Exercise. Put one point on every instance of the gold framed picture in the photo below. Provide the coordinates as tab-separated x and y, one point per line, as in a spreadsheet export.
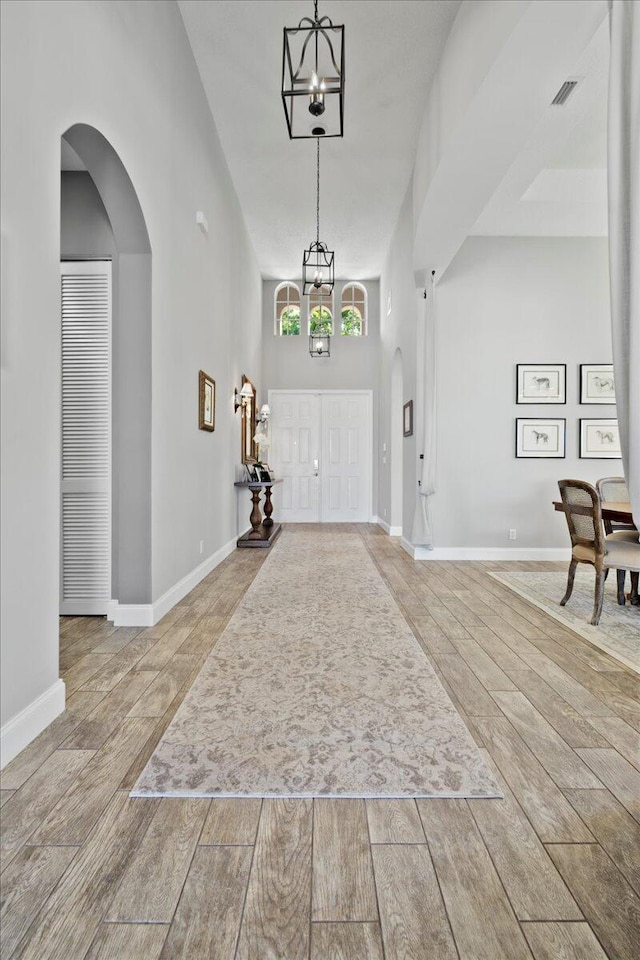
207	402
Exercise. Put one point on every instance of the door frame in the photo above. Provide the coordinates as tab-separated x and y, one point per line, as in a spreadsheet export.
321	393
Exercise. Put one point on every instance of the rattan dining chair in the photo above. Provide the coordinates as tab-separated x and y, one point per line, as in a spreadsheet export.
589	544
614	489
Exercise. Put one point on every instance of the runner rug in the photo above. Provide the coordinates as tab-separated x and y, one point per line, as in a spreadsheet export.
317	688
618	632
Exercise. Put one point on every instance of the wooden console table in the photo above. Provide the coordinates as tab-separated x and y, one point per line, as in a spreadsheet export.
263	532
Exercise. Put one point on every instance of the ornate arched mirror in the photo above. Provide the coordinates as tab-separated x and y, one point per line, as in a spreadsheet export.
249	421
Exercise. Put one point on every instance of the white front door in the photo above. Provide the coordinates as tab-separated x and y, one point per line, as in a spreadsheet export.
85	561
345	458
294	455
321	449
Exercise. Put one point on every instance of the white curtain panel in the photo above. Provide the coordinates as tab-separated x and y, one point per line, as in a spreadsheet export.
422	531
624	231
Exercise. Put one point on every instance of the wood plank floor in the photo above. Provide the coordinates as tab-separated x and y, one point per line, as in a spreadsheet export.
552	872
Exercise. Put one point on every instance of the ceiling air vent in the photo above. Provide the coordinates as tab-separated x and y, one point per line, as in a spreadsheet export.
564	93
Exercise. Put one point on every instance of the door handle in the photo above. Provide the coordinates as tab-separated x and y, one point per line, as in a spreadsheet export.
315	466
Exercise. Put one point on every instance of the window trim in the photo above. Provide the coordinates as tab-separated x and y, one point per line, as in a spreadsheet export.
352	303
277	318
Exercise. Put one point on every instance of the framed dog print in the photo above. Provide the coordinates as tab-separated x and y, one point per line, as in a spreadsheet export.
540	439
541	383
207	402
599	440
597	383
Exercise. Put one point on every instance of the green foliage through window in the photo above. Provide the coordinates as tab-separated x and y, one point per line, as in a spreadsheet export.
320	321
290	321
351	322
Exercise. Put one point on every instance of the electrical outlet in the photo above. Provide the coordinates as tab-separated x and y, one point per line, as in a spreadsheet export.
201	547
512	534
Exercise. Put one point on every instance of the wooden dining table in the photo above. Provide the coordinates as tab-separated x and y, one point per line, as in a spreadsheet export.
611	510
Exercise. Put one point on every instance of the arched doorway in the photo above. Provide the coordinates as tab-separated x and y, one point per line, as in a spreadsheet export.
101	218
397	399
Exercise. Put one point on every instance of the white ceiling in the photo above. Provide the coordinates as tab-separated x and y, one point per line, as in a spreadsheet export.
557	186
392	50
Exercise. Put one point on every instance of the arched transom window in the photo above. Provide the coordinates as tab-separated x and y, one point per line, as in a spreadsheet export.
287	310
321	311
353	310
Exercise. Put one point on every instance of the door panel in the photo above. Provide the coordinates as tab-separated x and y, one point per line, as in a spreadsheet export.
295	432
85	562
346	458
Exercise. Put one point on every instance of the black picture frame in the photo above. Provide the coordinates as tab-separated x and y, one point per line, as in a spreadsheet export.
535	383
533	438
597	384
599	438
407	419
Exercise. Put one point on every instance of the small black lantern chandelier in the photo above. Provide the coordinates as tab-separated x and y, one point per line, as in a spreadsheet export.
313	78
318	260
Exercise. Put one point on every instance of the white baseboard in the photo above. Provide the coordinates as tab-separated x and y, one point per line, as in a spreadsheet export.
408	547
148	614
392	531
487	553
26	725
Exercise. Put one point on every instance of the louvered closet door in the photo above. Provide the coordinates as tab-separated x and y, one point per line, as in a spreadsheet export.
86	438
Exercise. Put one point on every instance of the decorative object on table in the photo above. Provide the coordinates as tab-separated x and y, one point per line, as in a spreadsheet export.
597	383
540	438
261	436
206	402
407	419
541	383
599	440
318	263
313	78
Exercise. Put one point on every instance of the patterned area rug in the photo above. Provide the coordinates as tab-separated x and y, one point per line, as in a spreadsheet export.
317	688
618	632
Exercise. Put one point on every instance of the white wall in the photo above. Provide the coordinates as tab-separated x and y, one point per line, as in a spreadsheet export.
127	69
398	331
505	301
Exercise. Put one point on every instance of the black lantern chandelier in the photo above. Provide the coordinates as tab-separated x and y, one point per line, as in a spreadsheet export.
318	260
313	78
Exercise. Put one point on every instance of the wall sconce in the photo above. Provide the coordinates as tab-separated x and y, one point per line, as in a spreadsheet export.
242	398
265	413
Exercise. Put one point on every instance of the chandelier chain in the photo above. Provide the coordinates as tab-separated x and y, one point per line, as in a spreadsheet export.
318	189
315	10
